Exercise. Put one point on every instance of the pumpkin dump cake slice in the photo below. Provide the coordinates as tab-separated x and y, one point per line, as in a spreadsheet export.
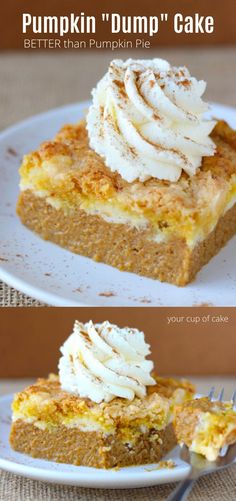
145	169
205	426
105	409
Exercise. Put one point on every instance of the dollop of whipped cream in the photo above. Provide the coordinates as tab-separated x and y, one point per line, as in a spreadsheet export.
147	120
103	361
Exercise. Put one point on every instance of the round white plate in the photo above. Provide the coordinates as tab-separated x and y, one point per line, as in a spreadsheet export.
135	476
58	277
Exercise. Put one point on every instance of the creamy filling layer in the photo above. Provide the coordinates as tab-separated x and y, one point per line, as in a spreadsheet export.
117	215
127	434
76	422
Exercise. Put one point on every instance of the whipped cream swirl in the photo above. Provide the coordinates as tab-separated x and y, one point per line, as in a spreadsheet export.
102	361
147	120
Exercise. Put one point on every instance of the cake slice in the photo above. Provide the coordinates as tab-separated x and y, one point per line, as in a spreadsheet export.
160	229
205	426
52	424
105	408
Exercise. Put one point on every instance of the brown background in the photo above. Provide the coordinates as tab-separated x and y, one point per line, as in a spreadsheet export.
30	338
223	12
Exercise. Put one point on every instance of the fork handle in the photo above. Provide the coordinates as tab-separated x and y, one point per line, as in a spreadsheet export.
182	490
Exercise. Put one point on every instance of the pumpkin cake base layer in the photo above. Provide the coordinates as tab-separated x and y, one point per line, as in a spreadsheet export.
53	424
122	246
69	445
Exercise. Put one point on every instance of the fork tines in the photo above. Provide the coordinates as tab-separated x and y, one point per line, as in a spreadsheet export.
233	399
221	395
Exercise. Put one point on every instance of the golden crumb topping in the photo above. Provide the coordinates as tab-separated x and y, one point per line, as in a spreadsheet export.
46	403
69	174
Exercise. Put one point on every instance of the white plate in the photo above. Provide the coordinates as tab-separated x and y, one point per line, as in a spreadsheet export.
137	476
58	277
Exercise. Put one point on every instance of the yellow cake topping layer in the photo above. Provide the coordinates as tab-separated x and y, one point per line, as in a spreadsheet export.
46	405
69	174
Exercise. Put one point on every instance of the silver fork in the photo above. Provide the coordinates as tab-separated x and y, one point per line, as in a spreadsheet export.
200	465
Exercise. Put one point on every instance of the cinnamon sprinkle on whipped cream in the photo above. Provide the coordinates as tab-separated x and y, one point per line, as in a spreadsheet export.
103	361
147	119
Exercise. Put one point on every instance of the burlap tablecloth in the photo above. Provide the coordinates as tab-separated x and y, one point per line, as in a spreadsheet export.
31	82
215	487
12	297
